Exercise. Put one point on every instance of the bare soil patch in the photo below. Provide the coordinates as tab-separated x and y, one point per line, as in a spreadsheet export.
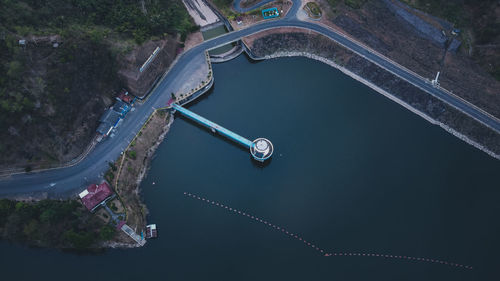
192	40
138	83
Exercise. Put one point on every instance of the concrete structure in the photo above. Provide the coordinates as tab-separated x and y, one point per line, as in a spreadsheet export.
435	82
261	148
150	59
131	233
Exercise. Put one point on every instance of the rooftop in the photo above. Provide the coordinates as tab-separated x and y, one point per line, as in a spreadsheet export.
95	194
124	96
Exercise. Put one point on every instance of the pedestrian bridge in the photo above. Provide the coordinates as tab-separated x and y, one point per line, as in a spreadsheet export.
261	149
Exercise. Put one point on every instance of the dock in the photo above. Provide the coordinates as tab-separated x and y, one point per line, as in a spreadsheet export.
261	148
151	231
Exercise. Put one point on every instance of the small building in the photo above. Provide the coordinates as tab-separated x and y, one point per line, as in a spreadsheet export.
22	42
95	194
126	97
151	231
108	121
122	108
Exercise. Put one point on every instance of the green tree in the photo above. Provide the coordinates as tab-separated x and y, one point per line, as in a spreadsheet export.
6	208
107	233
15	69
82	240
132	154
31	230
25	210
48	215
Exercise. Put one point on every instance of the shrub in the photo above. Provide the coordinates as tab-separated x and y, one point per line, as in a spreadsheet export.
132	154
107	233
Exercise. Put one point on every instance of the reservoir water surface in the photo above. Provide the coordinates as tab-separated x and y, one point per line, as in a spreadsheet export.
352	172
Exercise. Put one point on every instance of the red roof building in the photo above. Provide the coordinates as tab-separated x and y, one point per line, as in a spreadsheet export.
95	194
125	97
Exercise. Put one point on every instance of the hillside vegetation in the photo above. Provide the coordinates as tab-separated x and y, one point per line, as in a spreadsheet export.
54	88
52	223
479	21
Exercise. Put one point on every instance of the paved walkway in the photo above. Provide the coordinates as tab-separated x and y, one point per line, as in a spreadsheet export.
131	233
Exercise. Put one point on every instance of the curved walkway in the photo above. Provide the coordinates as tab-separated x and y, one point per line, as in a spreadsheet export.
67	181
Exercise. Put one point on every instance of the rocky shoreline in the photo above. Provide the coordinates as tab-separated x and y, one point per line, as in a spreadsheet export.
127	183
289	42
387	95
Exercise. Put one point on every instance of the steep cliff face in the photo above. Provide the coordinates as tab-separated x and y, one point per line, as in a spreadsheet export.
137	82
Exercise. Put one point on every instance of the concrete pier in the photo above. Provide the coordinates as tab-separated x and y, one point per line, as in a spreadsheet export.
261	148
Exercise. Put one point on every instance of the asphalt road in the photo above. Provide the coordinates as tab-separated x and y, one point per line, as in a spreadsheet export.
64	182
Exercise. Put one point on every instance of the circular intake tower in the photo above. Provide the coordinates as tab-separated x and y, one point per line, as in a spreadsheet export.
261	149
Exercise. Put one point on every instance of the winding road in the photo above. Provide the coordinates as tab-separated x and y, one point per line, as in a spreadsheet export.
65	182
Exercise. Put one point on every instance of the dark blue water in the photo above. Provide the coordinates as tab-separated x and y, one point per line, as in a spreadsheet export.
352	172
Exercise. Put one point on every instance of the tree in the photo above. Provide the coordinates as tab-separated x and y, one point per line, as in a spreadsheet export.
6	208
25	210
15	69
132	154
107	233
82	240
31	230
47	215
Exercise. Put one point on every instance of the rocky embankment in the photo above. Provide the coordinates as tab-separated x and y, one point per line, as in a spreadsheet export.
132	168
298	42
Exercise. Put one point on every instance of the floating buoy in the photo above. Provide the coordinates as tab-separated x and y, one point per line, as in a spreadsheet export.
322	251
